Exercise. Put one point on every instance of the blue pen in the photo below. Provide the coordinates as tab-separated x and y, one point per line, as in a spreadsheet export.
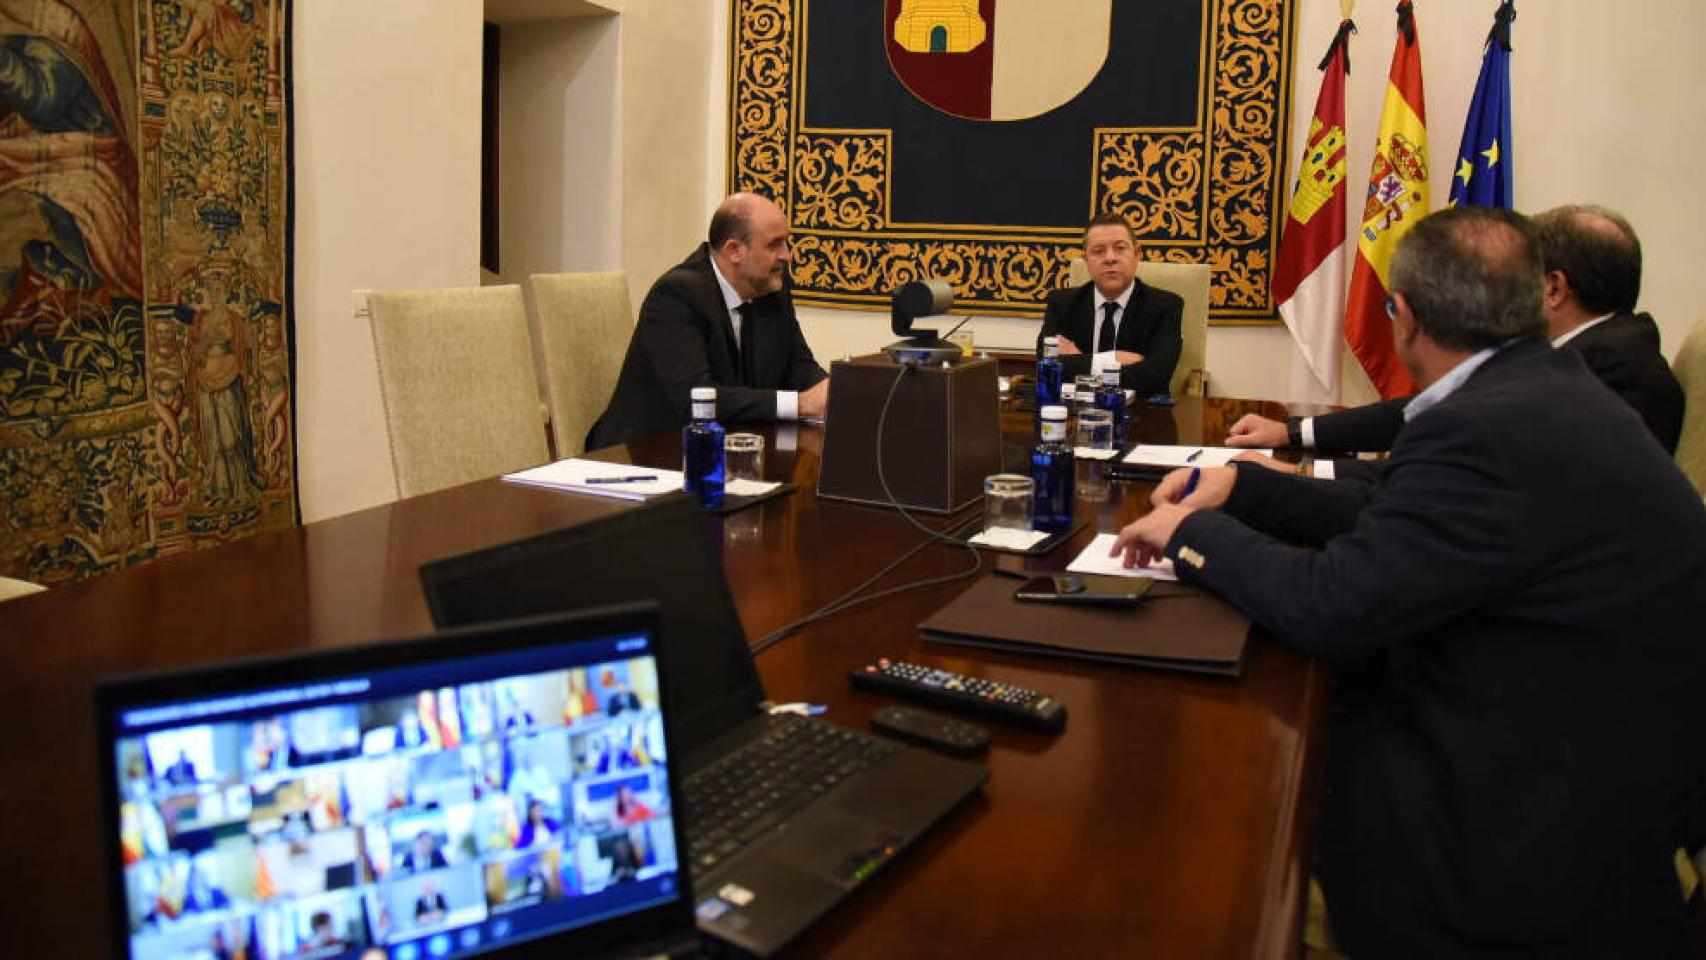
1194	455
636	478
1191	484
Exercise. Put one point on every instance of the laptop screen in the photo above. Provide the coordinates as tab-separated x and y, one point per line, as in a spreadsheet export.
444	798
665	551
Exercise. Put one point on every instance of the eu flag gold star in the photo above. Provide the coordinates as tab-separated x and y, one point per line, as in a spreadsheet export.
1492	155
1465	170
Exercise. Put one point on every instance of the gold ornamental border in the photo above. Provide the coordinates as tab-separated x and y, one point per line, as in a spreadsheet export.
1209	192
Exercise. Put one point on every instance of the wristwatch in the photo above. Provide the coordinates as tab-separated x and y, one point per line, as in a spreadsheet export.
1294	431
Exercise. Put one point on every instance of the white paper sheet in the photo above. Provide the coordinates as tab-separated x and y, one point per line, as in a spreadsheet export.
573	474
1164	455
1095	560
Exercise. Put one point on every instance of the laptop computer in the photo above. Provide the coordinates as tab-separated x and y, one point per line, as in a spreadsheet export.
452	796
836	803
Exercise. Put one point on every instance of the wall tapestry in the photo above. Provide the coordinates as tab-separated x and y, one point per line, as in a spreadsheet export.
972	139
145	340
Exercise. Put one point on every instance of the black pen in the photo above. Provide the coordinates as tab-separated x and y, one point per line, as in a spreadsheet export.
636	478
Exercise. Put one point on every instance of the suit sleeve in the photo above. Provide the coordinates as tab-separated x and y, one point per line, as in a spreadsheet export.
1371	428
1443	535
804	372
1645	383
1160	347
674	336
1057	322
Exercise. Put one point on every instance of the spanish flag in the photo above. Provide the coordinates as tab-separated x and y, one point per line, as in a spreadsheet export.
1397	198
1309	273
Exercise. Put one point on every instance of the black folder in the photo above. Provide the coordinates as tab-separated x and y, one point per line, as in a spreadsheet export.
1176	627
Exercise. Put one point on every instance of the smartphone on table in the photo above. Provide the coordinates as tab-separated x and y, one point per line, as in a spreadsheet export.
1073	588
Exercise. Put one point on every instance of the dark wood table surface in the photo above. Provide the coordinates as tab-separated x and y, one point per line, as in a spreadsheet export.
1173	818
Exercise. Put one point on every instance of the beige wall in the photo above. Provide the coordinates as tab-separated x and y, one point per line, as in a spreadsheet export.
388	113
387	197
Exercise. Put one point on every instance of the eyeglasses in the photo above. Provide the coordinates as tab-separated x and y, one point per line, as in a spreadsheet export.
1391	309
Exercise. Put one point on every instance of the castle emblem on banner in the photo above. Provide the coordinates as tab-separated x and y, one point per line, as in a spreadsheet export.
1400	176
979	59
1323	171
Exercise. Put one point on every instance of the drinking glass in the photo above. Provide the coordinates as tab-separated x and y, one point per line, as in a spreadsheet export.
1095	429
743	456
1007	502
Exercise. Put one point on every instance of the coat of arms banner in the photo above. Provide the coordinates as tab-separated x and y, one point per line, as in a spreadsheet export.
145	340
972	139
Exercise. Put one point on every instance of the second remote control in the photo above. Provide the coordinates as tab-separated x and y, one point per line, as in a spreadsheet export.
988	697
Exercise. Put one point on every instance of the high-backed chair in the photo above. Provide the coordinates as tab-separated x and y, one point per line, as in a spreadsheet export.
581	324
1690	368
1190	281
10	588
456	377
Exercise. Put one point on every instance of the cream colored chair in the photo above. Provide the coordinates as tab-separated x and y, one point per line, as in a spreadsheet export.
581	325
1690	368
11	589
1190	281
456	377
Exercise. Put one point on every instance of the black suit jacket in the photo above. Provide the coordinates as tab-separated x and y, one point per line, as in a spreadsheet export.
1516	611
684	339
1623	352
1150	326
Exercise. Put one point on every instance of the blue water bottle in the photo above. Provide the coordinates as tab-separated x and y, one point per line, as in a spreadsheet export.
1052	474
1049	375
1110	396
702	451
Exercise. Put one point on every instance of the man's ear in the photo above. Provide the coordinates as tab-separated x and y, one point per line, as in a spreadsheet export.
1404	325
1556	289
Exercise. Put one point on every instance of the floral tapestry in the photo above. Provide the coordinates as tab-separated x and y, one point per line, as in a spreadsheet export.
972	140
145	340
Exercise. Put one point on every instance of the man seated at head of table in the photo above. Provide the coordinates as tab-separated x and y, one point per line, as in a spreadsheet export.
1115	320
721	318
1514	611
1592	260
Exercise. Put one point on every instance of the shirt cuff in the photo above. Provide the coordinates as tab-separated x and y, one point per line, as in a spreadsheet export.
787	405
1323	470
1103	361
1306	429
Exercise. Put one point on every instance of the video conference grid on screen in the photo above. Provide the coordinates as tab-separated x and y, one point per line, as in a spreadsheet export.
432	823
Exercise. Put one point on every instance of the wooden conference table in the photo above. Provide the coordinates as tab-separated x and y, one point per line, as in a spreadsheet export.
1173	818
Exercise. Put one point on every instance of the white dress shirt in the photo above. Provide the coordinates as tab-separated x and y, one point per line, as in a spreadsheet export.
787	401
1101	358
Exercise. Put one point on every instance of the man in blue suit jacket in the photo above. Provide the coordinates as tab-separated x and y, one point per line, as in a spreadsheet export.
1593	280
1114	320
1515	611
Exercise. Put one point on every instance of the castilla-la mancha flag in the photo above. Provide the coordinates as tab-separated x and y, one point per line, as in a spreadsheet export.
1309	273
1397	198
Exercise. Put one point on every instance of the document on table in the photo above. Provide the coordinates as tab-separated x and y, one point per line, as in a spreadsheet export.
1166	456
1095	560
620	480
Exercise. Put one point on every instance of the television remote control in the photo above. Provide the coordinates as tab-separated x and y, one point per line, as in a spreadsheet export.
1015	704
931	730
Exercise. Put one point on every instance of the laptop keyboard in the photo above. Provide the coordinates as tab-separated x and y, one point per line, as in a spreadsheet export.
758	786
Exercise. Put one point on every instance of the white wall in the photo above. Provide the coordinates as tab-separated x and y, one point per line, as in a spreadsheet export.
387	197
559	147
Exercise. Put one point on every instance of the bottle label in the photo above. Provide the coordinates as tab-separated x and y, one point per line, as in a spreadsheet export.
1054	431
704	409
1111	377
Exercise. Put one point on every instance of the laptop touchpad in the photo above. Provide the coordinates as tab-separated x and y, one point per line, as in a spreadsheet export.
836	845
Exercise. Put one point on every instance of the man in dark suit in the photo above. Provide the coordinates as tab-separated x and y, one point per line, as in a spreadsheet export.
1593	280
1114	320
1514	608
722	318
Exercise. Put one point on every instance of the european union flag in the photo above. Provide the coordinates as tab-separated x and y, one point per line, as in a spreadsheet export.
1483	174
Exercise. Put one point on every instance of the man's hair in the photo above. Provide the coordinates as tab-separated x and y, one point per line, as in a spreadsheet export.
1472	277
1597	251
732	219
1108	218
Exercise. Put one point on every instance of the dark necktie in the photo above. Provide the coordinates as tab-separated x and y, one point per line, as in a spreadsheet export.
1105	339
741	353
